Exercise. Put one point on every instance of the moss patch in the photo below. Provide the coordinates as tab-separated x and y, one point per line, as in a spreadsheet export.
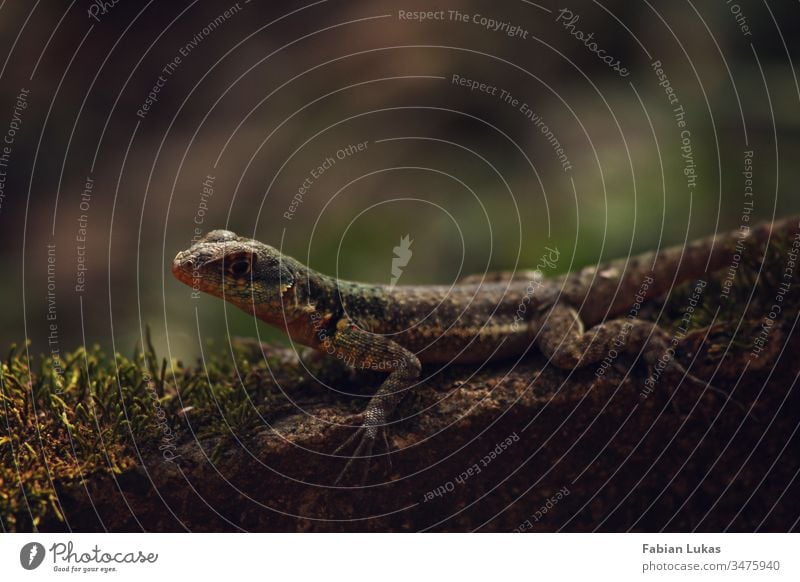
93	413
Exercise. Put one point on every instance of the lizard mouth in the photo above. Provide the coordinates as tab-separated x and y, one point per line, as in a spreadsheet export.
188	267
187	271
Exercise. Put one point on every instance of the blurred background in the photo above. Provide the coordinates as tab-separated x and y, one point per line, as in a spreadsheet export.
484	133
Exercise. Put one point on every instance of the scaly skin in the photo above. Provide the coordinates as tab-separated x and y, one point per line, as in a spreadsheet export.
397	329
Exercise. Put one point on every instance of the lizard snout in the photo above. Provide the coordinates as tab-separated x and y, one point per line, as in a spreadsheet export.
182	265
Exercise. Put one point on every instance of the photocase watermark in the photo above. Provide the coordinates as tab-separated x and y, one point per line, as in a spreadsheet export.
679	114
7	145
526	110
318	171
320	325
66	559
543	128
568	19
98	8
491	24
53	343
739	17
508	28
475	469
169	440
669	354
768	322
744	226
402	255
621	339
543	510
81	235
549	260
687	152
206	193
172	66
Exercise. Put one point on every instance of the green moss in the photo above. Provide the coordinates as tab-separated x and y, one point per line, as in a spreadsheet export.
756	286
100	412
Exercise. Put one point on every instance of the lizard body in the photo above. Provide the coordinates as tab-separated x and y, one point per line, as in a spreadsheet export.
396	329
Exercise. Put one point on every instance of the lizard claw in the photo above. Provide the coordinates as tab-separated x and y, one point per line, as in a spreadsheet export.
368	435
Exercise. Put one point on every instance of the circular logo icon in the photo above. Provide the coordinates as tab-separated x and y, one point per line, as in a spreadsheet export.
31	555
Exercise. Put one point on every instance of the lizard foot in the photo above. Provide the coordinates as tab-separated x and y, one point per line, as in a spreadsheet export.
366	436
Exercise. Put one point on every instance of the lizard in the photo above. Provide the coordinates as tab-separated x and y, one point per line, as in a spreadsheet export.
572	319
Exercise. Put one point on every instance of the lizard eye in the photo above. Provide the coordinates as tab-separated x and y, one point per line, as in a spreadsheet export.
239	266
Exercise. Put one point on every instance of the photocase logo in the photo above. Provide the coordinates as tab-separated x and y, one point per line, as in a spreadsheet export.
402	254
31	555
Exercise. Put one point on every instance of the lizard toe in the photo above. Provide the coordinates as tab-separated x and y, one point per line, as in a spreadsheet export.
366	436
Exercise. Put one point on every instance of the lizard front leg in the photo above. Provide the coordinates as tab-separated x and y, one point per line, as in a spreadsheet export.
364	350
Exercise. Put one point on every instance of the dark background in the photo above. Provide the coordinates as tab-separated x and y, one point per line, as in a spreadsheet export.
278	87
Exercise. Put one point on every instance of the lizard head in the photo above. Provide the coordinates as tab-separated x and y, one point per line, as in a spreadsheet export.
243	271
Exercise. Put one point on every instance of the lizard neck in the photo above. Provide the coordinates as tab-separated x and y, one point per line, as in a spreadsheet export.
309	310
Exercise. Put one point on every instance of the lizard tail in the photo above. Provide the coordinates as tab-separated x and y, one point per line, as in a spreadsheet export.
612	288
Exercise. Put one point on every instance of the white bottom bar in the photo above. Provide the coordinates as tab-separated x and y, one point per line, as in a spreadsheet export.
397	557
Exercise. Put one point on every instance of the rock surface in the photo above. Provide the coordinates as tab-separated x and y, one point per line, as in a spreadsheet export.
510	447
